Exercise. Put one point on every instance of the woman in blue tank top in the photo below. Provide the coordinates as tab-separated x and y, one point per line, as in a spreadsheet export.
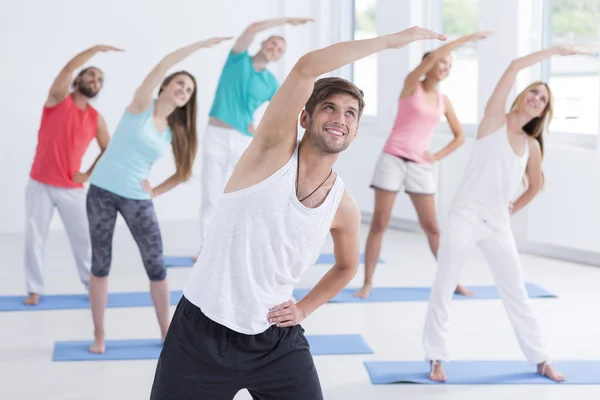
119	183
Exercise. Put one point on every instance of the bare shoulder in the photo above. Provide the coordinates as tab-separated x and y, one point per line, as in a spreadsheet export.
347	216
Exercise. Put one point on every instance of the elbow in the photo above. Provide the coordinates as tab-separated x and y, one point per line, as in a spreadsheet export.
303	65
534	189
253	29
459	140
514	65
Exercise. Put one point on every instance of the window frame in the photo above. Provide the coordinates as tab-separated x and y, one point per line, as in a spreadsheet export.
349	14
561	138
434	9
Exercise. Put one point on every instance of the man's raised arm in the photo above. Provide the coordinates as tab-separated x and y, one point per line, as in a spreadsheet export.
278	125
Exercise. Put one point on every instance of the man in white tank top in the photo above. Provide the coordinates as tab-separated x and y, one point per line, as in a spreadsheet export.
236	327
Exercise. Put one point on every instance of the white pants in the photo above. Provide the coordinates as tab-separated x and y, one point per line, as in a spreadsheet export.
222	148
40	201
465	228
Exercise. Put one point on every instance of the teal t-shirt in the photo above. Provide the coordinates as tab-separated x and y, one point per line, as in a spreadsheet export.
241	91
133	149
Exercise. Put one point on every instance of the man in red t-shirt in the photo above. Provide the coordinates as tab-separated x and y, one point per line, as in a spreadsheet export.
68	125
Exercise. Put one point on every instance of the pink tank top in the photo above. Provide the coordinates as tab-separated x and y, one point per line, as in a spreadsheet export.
64	135
415	121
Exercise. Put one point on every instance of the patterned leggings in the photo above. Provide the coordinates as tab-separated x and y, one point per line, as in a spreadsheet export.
102	208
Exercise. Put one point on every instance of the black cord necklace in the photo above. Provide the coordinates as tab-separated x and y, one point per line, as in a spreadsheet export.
298	174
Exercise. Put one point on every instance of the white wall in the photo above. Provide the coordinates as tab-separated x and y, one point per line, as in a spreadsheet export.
562	221
39	37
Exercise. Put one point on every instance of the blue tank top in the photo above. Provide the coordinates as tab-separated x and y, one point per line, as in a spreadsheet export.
133	149
241	91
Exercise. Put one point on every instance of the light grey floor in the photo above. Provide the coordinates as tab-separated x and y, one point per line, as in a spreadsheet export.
480	329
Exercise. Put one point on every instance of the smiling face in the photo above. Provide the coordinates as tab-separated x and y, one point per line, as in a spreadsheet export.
177	89
534	100
441	69
89	82
273	48
333	125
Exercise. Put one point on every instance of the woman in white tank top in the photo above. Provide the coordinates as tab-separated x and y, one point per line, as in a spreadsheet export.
509	147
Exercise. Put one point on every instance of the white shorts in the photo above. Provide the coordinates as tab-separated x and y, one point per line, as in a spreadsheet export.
392	172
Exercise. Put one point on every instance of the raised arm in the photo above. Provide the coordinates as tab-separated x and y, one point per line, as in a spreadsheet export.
413	78
143	95
247	37
60	87
495	108
279	123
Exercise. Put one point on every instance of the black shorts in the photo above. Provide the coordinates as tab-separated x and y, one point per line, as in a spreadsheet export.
202	359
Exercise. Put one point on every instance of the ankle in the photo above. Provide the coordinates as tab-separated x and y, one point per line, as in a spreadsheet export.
99	335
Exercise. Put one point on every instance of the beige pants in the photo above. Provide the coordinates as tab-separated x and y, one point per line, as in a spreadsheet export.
221	150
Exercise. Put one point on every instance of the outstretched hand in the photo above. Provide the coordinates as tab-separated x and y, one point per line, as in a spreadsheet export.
104	48
216	40
413	34
286	314
299	21
569	51
477	36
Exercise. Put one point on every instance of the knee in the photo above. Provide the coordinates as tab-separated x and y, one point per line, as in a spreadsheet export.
100	271
379	224
156	273
431	228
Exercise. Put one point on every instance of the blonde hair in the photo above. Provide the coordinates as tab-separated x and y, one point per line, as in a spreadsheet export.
536	127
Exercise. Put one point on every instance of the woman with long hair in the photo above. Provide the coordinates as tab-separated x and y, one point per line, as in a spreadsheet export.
406	161
119	183
509	147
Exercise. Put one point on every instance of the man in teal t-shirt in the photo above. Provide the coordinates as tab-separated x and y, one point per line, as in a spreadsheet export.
245	84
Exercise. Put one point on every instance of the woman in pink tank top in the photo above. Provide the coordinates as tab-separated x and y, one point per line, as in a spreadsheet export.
406	161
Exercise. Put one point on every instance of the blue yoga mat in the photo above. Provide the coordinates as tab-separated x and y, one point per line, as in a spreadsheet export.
421	294
149	349
581	372
180	261
78	301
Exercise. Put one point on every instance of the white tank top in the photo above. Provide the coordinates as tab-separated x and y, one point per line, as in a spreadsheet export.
492	178
260	241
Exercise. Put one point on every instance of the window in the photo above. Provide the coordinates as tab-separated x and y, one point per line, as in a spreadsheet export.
365	70
459	18
574	80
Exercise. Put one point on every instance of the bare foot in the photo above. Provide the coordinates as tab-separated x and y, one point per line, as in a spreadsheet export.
98	347
32	299
462	291
437	373
547	370
364	292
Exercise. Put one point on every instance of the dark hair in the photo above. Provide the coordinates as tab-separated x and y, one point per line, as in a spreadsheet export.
182	122
425	55
325	87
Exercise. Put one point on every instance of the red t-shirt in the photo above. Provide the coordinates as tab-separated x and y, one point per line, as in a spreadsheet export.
64	136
